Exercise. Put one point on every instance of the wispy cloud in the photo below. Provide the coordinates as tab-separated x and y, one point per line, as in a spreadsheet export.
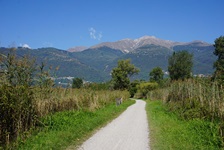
94	34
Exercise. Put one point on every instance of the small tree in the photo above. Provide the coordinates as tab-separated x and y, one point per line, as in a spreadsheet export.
180	65
156	74
77	83
219	64
122	73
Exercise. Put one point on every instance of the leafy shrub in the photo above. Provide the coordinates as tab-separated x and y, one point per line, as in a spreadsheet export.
145	87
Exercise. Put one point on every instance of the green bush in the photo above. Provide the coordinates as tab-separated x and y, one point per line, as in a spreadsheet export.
144	88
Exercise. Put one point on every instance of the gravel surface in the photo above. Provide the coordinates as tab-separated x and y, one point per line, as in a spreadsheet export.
127	132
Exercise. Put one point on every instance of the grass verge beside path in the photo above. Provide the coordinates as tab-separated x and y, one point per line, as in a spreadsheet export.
72	127
167	131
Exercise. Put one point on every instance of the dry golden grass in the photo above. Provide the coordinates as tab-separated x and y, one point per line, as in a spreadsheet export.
60	99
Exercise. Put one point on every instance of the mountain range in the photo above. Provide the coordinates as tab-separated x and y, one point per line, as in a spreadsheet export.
96	62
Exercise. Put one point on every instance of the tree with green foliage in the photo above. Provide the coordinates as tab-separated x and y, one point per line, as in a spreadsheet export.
77	83
180	65
133	87
219	64
156	74
122	73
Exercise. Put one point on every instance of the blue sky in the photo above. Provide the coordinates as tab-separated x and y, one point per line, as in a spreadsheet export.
69	23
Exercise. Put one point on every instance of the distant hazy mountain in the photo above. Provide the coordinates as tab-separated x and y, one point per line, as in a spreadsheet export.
95	63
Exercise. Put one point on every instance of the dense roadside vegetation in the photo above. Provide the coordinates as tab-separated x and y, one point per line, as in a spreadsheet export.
190	114
27	95
192	99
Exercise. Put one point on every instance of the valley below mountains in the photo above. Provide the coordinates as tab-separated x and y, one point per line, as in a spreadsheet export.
95	63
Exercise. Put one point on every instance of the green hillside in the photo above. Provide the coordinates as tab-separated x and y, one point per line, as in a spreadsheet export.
98	58
146	58
68	65
95	64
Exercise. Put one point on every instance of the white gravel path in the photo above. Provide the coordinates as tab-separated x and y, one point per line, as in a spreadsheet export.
127	132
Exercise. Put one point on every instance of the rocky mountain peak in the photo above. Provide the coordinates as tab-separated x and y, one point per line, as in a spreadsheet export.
128	45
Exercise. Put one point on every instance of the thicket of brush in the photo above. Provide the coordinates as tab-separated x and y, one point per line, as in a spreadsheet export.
195	98
27	94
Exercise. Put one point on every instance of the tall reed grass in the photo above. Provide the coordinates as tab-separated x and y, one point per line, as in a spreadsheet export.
194	98
203	95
